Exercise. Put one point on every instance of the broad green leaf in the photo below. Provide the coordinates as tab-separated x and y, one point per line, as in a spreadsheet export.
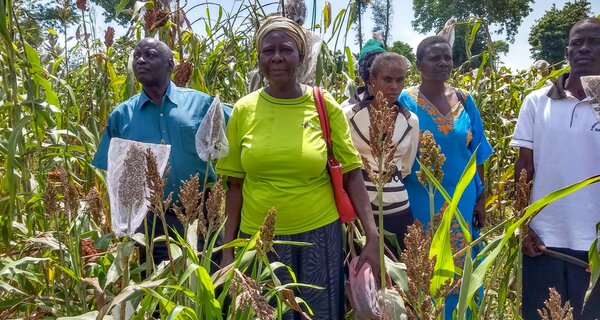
480	271
441	246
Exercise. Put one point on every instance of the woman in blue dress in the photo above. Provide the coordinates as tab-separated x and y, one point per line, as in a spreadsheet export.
451	115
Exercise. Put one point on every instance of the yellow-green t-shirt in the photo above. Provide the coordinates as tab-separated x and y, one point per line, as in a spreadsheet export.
277	147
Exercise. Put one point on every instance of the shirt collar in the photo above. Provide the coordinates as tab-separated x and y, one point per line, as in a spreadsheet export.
171	94
558	88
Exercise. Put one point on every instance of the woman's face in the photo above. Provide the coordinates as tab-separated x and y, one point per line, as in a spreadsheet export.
436	64
279	57
389	80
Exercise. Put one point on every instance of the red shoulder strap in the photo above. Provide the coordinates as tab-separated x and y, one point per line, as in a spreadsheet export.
322	109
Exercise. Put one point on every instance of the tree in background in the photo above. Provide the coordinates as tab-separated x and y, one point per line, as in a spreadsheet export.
404	49
110	11
360	7
430	15
382	14
549	35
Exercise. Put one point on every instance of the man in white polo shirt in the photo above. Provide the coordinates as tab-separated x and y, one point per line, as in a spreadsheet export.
558	146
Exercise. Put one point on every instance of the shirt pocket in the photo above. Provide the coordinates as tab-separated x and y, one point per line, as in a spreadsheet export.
188	138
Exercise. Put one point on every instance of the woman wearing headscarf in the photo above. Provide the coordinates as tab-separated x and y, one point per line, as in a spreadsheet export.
277	159
369	51
386	74
451	115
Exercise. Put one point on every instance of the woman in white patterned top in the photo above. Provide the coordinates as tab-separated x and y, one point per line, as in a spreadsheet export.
387	74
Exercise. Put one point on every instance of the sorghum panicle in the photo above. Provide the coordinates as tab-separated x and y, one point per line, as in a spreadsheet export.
554	309
248	294
82	5
109	37
522	193
131	180
154	182
190	195
94	207
215	204
183	73
155	18
267	230
431	157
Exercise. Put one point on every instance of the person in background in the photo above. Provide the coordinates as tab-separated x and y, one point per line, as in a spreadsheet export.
277	159
161	113
370	50
559	145
387	74
451	115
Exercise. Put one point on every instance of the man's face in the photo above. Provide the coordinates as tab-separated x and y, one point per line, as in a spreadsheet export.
583	50
150	65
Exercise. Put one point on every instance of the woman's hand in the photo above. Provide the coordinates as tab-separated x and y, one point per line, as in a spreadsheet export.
479	212
370	255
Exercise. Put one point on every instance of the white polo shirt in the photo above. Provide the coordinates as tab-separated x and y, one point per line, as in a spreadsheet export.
564	135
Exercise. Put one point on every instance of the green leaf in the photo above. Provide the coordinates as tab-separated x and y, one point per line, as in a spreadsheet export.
441	247
461	307
594	261
120	7
350	63
481	270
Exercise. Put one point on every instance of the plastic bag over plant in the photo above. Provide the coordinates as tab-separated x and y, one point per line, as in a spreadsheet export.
211	142
307	71
591	86
126	179
362	292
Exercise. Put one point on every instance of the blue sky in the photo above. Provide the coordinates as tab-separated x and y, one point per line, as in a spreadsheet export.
518	56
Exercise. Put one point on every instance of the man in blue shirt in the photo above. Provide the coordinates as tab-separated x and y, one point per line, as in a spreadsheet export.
161	113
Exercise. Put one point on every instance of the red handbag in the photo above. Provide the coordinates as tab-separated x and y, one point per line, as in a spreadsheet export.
342	200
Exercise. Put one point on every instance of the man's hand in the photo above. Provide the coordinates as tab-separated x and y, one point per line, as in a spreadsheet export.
370	255
479	212
533	245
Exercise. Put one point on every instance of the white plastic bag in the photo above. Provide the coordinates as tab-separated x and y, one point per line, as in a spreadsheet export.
211	142
126	179
591	86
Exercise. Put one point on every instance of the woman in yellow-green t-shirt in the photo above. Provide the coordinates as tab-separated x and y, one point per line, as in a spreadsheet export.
277	159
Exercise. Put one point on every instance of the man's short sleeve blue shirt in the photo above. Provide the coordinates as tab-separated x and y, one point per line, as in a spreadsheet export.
175	123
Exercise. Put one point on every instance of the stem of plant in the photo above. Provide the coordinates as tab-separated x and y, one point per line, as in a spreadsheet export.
168	242
203	195
382	270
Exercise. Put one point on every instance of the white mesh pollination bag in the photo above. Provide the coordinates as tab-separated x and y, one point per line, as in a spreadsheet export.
211	142
126	179
591	86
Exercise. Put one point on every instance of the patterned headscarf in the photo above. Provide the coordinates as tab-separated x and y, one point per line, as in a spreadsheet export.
286	25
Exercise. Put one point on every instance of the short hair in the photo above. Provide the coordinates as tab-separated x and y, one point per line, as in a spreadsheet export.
387	58
592	20
428	42
162	47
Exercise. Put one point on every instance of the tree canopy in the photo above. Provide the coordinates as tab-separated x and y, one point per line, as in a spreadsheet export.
550	34
507	15
382	15
404	49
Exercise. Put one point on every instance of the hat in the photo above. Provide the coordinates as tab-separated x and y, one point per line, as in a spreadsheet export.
371	46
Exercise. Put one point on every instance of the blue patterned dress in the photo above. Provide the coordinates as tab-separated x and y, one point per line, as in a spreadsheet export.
458	133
